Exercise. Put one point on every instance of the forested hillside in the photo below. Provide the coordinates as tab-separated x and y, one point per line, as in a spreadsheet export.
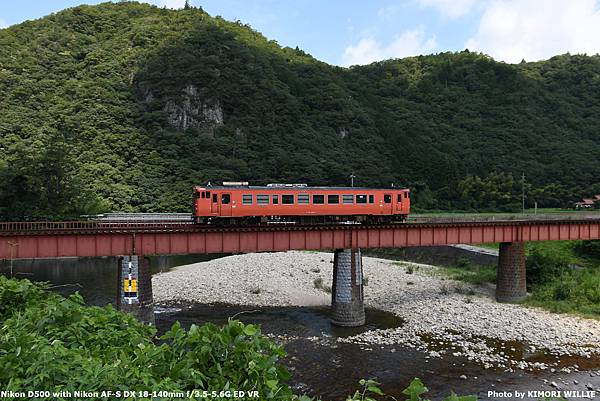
125	106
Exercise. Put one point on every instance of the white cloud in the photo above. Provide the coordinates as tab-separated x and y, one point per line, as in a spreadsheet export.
450	8
168	3
512	30
368	50
3	24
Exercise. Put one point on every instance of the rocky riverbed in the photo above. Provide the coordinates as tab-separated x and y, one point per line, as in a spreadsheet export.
442	318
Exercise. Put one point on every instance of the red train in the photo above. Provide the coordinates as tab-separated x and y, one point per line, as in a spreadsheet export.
240	203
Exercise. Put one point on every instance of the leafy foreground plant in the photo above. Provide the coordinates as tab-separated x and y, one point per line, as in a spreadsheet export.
52	343
414	392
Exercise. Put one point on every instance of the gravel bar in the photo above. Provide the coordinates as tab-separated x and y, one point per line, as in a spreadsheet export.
441	315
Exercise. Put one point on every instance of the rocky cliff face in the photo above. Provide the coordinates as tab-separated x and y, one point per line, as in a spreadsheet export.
191	109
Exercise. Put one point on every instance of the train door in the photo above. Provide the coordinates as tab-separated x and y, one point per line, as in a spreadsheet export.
225	204
387	204
214	204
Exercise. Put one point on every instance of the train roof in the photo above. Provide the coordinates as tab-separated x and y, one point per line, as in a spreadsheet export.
297	187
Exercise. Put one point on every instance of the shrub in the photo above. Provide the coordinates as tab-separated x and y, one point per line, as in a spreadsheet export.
588	248
573	291
561	292
18	295
54	343
543	267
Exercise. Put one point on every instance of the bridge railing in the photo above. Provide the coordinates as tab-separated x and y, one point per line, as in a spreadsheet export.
474	218
37	226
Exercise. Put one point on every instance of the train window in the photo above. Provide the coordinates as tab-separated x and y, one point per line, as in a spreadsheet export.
333	199
347	198
405	195
318	199
361	198
387	198
214	198
287	199
207	194
303	198
399	197
275	199
225	199
203	195
247	199
262	199
371	198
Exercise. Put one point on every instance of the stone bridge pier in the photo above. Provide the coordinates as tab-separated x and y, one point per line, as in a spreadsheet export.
347	305
511	283
134	290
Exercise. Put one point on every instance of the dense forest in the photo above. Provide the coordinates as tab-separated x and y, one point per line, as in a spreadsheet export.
124	106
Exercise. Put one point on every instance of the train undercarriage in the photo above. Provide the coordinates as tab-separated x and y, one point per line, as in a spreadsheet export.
300	220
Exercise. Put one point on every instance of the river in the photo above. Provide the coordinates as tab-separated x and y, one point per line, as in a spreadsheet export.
319	364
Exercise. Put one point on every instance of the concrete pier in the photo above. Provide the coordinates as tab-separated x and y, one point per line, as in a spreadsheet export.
511	283
347	291
135	288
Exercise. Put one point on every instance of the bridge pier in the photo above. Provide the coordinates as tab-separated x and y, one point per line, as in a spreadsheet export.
511	283
135	288
347	305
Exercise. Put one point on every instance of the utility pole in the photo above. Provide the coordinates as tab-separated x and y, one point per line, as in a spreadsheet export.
12	245
523	191
352	177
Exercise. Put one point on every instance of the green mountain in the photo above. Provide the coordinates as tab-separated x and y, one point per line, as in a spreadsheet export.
125	106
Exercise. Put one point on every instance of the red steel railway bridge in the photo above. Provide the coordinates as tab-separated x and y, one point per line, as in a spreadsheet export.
132	240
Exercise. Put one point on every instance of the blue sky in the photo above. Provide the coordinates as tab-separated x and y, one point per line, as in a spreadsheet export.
346	32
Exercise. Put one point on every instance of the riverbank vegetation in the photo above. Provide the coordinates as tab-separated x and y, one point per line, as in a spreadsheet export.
565	277
124	106
52	343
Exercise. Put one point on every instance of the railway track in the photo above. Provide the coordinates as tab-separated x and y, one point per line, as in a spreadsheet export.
183	223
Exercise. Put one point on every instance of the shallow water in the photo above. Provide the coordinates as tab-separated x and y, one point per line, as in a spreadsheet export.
322	366
282	321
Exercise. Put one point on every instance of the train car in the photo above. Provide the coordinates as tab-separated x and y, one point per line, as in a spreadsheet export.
298	203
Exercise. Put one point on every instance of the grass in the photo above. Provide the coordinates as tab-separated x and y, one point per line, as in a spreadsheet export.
472	274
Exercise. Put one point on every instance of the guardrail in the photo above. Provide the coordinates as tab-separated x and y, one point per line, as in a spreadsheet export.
140	217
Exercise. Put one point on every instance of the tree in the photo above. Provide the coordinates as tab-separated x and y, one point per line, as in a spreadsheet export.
187	5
